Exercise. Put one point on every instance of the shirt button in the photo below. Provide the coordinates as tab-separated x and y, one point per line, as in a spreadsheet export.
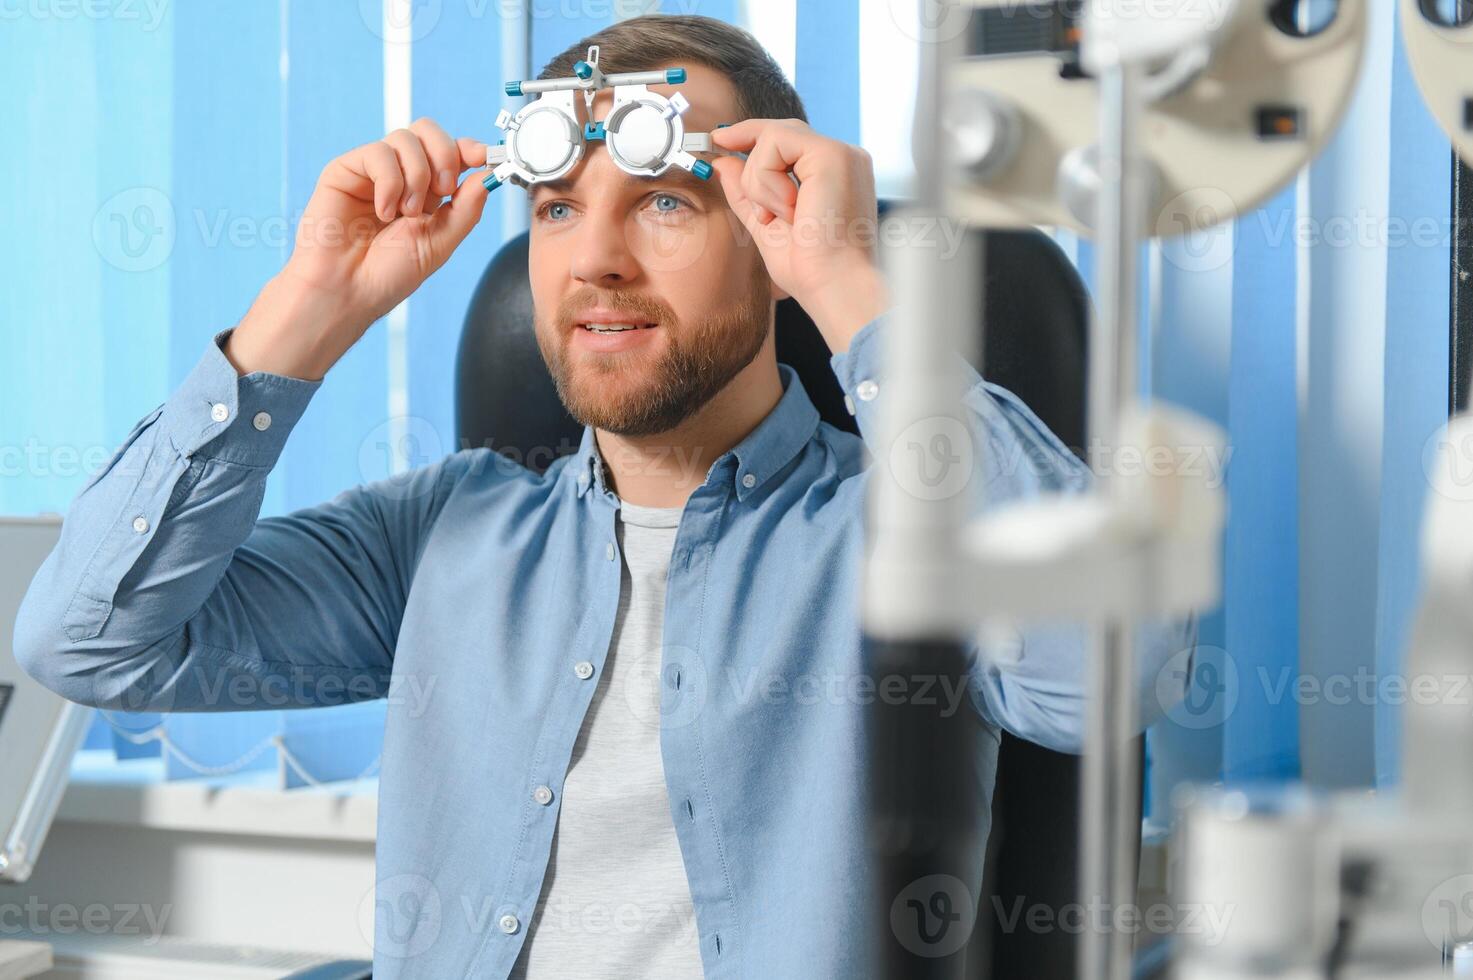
542	795
583	669
140	524
749	481
262	421
509	924
867	390
219	412
609	552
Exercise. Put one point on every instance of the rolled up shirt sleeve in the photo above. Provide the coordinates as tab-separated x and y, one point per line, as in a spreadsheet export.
166	592
1030	681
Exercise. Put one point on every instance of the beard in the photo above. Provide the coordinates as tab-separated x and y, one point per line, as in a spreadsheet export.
699	359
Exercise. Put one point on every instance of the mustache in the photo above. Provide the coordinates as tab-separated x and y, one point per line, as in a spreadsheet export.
639	309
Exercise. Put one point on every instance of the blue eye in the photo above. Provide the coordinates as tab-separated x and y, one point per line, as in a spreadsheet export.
547	209
676	202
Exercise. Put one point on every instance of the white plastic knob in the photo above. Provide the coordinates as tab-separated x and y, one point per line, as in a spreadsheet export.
677	106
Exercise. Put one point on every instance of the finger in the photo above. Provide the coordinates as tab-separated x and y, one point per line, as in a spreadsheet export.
735	183
760	186
741	136
369	172
453	221
472	152
791	144
729	172
769	168
443	155
771	188
416	167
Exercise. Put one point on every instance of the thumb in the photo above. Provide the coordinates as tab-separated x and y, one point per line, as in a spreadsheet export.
454	220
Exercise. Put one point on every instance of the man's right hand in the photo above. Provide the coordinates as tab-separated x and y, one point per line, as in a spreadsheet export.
373	230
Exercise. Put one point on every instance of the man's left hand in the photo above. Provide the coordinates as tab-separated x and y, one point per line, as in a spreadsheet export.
817	237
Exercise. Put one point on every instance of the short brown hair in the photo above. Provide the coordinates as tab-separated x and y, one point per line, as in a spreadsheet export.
674	40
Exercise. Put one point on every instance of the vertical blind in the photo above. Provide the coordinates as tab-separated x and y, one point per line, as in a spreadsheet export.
162	153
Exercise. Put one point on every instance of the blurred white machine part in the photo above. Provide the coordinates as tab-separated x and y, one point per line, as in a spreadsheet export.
1124	121
39	732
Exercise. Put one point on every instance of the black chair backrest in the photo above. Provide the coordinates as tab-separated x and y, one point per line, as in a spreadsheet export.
1037	312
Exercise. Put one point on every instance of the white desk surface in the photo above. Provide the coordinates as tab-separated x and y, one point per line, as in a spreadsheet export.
20	960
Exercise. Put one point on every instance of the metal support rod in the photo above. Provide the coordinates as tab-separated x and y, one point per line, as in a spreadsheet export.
925	817
1110	765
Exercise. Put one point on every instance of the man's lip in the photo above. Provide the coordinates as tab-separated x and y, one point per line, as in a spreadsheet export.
610	316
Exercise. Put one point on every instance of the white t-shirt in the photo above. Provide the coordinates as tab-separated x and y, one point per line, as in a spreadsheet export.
615	903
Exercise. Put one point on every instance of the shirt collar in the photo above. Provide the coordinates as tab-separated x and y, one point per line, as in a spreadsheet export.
765	450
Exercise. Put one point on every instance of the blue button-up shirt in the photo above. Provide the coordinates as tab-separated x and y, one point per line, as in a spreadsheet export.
480	599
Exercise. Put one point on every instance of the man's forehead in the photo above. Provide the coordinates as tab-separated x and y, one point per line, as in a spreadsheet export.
711	95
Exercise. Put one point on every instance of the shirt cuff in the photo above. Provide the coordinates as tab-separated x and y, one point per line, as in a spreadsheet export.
221	414
857	368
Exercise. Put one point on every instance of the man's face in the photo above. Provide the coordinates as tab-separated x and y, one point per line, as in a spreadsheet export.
662	254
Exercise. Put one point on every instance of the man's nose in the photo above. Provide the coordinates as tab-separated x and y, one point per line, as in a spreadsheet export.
601	254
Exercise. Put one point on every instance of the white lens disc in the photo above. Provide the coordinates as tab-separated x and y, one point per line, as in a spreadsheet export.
545	140
642	138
